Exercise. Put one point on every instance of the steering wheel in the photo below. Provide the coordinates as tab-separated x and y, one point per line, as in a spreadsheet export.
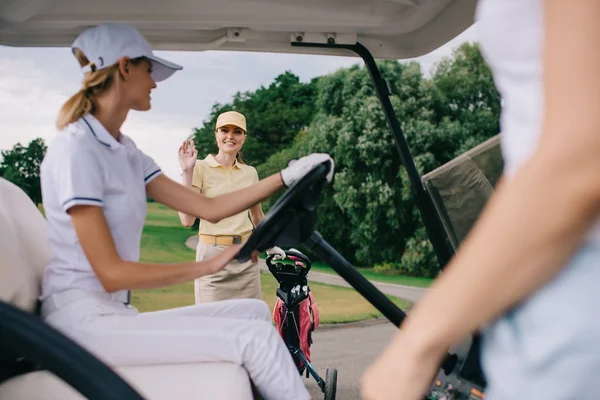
292	219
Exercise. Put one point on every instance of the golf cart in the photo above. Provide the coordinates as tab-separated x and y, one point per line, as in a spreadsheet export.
38	362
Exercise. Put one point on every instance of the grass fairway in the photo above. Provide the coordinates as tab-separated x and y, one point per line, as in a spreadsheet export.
336	305
378	277
164	241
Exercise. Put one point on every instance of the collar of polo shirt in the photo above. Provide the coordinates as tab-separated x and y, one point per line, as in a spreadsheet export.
98	130
211	162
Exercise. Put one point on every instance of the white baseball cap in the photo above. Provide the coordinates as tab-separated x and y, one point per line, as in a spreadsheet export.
105	44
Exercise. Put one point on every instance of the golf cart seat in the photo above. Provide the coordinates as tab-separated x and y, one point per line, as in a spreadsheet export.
23	254
459	191
461	188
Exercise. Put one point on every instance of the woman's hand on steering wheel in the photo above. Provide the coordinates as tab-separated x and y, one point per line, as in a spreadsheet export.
297	169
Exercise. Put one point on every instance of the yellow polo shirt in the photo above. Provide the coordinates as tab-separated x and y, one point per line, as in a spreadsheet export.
213	179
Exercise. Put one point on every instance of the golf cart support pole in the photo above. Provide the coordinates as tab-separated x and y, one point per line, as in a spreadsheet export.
395	315
433	224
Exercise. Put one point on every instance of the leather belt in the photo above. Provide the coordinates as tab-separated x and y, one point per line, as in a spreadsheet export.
225	240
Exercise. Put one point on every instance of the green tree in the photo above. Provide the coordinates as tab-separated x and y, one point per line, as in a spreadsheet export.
465	111
367	188
464	91
21	165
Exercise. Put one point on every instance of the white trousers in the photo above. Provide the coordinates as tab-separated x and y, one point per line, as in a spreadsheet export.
238	331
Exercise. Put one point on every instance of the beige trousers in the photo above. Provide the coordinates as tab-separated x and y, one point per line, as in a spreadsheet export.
235	281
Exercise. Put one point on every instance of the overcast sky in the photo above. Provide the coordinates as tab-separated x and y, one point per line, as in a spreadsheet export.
34	83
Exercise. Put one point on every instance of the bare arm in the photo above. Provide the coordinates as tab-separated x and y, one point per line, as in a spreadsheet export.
187	156
212	209
534	223
256	214
186	219
115	274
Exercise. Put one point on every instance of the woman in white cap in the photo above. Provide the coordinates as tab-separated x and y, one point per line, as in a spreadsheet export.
94	185
216	175
528	274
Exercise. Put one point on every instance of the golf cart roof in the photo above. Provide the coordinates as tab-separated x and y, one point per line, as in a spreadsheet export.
392	29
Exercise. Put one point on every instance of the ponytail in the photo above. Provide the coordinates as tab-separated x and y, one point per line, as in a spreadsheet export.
95	83
76	107
239	158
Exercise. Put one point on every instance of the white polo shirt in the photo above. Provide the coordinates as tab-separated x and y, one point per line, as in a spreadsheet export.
86	165
511	34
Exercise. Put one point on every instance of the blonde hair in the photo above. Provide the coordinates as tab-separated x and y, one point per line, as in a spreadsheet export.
239	157
95	83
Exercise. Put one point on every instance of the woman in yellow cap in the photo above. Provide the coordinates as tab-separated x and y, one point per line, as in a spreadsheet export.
213	176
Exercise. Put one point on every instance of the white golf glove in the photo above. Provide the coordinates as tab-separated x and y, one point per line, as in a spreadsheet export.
296	169
277	252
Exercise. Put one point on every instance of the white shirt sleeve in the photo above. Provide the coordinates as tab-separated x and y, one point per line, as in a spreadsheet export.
151	169
78	176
